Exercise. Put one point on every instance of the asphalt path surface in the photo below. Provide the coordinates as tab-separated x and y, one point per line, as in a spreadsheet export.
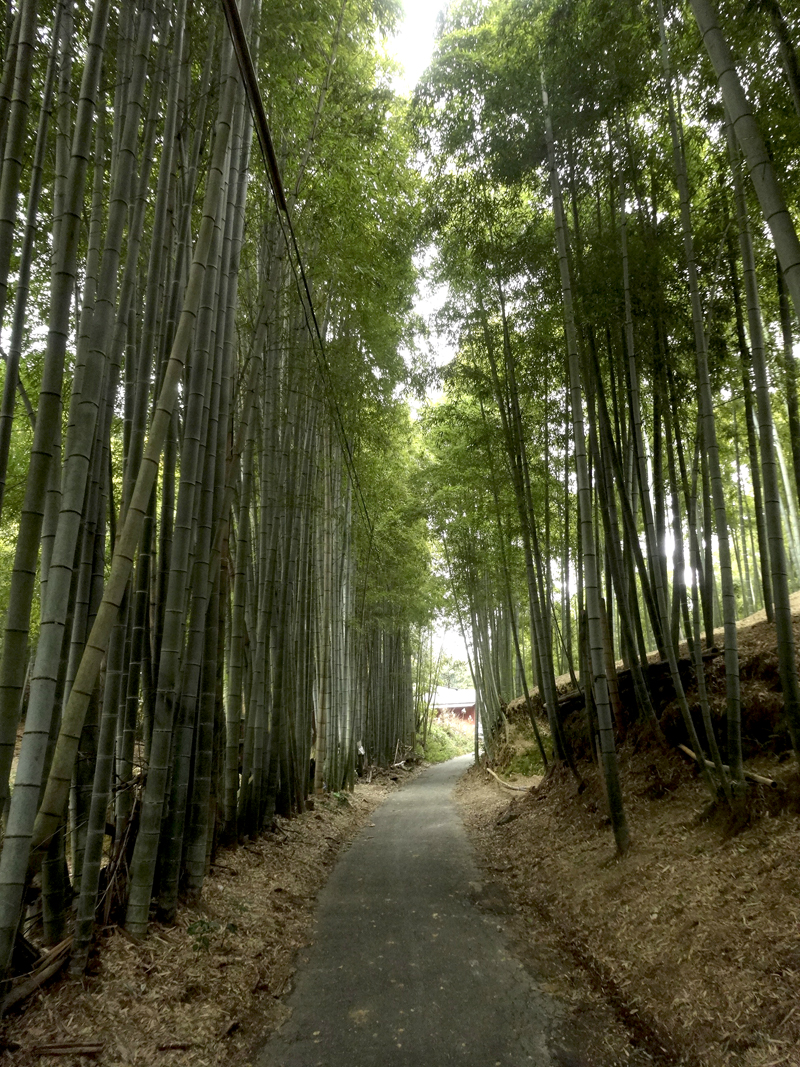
410	965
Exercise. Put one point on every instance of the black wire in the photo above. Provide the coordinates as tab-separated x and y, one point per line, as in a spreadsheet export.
253	93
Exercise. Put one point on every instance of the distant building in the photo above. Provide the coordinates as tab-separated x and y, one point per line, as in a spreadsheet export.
455	703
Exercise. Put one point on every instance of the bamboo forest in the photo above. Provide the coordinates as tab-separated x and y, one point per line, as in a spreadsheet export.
246	477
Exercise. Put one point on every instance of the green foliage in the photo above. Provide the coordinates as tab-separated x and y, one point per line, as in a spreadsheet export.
202	929
454	673
397	553
445	742
336	546
527	762
422	520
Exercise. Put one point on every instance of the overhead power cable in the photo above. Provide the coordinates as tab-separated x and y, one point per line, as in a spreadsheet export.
256	104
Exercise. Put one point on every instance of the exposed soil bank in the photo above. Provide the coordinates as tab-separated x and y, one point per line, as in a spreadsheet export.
695	936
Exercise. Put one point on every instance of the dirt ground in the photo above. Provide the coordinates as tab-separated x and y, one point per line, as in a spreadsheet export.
694	937
689	948
209	989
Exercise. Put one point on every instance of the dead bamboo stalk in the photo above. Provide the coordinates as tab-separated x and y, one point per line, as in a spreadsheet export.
516	788
751	775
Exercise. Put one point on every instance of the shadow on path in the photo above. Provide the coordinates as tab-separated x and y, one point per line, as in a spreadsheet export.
410	967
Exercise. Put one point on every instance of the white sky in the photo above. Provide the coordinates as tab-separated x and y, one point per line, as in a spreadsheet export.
451	642
413	45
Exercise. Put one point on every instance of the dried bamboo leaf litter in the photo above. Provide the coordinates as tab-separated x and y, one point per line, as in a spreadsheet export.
698	933
209	989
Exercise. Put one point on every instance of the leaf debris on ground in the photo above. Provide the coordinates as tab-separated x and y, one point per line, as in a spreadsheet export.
208	990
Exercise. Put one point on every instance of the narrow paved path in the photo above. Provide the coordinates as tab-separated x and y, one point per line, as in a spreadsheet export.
409	966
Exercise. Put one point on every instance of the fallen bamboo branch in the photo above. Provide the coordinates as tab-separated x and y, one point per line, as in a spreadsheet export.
751	775
516	788
26	984
67	1048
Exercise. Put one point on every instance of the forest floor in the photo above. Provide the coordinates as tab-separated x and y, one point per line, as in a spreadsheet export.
693	940
209	989
694	937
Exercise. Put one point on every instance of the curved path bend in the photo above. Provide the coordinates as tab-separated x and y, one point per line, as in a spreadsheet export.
410	966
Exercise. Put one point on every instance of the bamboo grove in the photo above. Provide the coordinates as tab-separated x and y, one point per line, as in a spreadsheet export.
211	558
614	465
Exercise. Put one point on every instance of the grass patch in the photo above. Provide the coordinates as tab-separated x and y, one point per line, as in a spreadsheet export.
520	755
527	762
445	743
